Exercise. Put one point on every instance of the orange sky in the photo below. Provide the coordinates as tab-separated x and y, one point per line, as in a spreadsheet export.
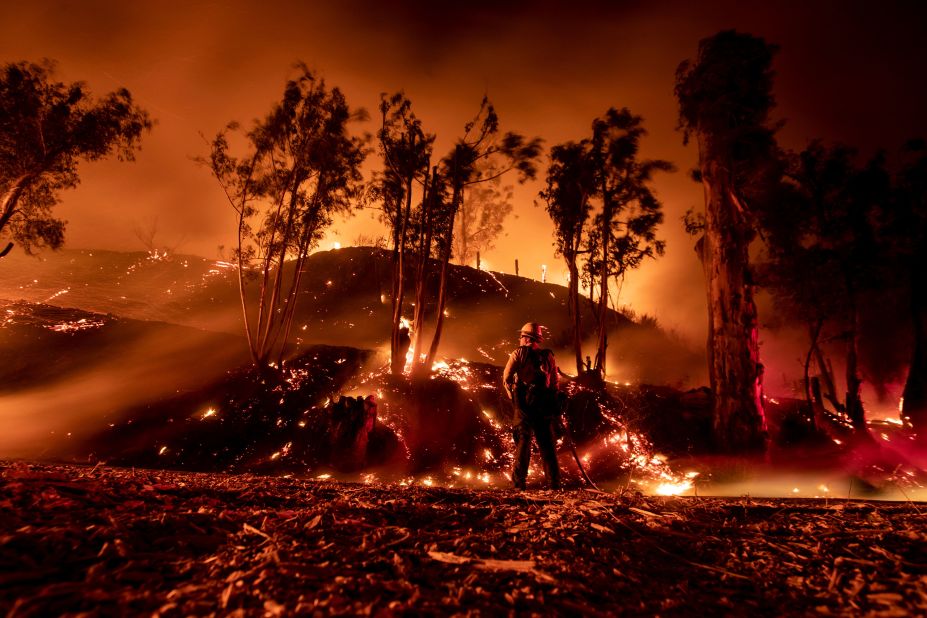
847	71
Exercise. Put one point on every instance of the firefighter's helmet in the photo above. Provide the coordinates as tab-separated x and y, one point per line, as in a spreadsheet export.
533	331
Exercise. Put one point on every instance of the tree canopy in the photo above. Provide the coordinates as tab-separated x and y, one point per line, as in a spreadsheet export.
47	128
301	168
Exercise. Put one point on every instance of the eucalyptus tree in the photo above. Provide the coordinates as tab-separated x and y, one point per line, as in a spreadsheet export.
406	152
431	218
630	211
481	155
571	185
725	98
300	169
47	128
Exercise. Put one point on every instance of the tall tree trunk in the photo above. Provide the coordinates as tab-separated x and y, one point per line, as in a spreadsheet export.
426	231
814	332
8	201
273	308
914	406
241	288
289	310
442	301
575	313
397	364
442	289
733	348
603	283
854	402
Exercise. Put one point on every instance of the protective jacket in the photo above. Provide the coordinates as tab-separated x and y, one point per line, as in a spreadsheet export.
530	380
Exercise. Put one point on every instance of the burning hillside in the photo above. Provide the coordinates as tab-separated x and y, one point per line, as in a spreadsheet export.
449	429
336	412
344	301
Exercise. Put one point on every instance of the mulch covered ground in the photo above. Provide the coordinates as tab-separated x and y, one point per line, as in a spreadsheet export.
115	541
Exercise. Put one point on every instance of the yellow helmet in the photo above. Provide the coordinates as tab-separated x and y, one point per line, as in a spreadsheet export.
533	331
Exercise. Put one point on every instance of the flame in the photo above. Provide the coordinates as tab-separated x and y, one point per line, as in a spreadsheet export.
76	325
673	489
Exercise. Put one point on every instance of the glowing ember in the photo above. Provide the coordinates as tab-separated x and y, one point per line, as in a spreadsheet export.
56	295
76	325
673	489
163	450
323	477
208	413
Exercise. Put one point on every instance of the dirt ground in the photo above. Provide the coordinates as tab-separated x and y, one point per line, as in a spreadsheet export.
103	541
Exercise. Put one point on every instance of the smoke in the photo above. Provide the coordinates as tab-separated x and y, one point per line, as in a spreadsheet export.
95	375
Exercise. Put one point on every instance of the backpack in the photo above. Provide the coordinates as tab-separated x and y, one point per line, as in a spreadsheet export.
535	394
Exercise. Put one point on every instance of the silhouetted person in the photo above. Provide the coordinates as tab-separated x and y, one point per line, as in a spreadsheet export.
530	379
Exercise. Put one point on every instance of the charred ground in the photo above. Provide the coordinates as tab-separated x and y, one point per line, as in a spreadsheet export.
117	541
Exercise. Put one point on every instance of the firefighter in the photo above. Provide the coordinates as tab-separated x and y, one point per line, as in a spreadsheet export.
530	380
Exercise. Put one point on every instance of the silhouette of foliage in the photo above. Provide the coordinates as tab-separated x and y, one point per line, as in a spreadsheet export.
47	128
604	170
302	167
